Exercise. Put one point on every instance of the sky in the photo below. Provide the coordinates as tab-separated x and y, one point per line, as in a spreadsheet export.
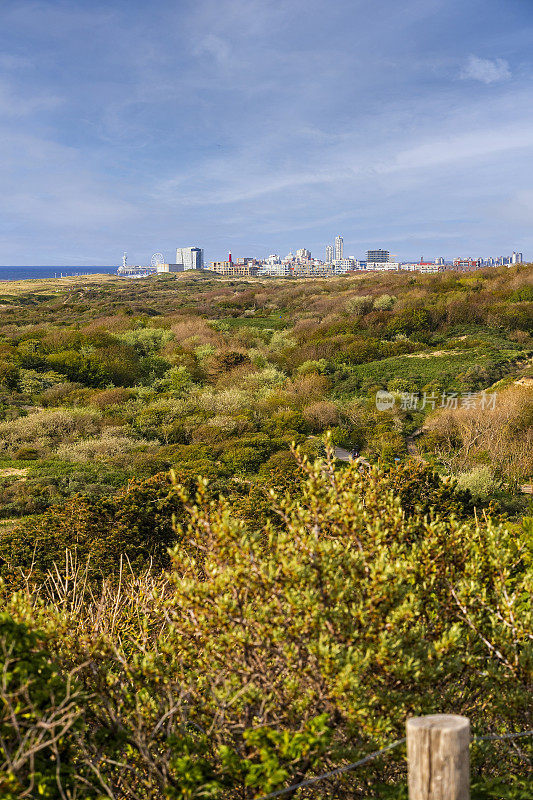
263	126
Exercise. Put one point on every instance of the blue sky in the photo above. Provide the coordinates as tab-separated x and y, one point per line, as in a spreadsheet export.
262	126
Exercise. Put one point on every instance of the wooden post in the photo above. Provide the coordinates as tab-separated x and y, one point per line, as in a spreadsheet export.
438	757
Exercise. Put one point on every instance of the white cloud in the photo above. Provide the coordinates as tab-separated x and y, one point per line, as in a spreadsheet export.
16	104
486	70
57	190
477	144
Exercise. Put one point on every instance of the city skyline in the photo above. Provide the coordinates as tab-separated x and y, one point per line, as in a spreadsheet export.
335	252
259	126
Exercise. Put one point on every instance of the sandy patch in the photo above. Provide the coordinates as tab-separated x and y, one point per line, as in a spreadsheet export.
11	472
435	353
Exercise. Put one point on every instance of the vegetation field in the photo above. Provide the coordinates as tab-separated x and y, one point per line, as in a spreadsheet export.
442	369
199	599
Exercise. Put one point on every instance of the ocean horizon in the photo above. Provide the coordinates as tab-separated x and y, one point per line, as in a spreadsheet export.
27	273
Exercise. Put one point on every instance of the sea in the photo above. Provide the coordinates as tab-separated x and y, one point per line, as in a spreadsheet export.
25	273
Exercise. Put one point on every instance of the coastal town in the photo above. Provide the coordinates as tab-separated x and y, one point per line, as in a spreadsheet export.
302	264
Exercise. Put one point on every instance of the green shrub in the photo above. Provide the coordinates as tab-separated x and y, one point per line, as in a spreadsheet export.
9	374
384	302
39	711
479	482
137	523
146	341
44	430
525	294
359	305
276	650
313	366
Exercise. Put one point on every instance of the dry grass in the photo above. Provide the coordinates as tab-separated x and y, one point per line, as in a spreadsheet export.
194	331
502	437
47	285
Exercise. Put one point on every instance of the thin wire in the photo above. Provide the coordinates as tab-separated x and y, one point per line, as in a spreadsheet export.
371	756
337	771
495	736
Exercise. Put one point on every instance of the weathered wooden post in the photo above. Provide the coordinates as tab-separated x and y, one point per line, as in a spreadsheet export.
438	757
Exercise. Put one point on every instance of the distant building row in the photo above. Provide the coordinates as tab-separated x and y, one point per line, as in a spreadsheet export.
302	264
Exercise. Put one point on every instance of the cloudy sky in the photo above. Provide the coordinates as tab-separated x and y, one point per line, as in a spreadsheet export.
262	126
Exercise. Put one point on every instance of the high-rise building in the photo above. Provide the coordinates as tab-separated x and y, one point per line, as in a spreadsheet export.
339	248
517	258
377	256
303	254
190	257
330	252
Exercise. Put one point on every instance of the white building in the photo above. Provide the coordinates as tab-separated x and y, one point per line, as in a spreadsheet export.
303	254
383	266
426	267
344	265
330	253
276	269
161	268
190	257
339	248
517	258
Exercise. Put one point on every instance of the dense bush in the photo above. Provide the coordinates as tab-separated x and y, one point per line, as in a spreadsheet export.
44	430
499	435
270	655
295	623
39	714
136	523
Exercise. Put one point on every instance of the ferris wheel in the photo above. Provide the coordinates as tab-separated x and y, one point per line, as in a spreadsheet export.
156	259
